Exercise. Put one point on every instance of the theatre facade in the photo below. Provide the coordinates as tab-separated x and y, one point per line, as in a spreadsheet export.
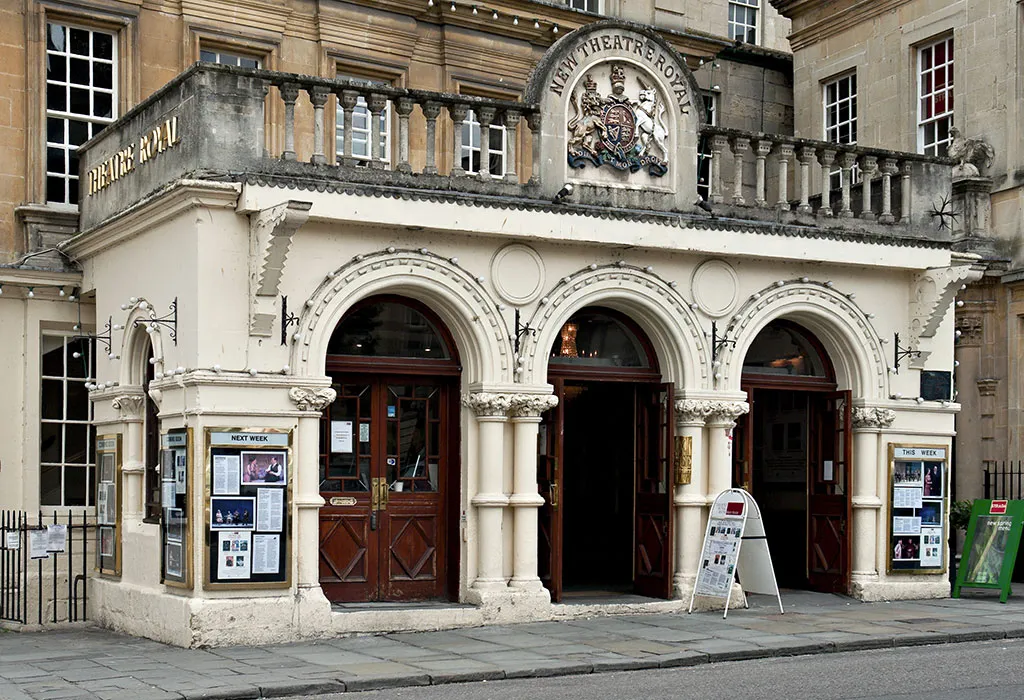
330	385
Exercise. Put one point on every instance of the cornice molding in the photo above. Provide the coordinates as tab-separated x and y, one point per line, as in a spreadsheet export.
835	21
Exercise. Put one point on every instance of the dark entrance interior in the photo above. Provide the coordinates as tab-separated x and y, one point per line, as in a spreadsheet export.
598	487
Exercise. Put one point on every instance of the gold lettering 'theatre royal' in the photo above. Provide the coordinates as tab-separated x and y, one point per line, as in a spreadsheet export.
111	170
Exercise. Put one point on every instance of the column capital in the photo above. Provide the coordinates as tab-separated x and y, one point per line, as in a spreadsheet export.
130	405
487	405
740	145
531	405
289	92
318	95
458	112
403	106
431	109
312	398
785	150
871	417
763	147
847	159
701	411
726	412
826	156
806	154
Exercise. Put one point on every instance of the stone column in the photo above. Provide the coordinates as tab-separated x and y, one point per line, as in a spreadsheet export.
318	96
458	114
289	93
403	105
867	425
349	100
377	104
868	164
847	160
533	121
491	415
306	494
689	498
888	170
511	135
806	156
785	152
906	168
826	157
718	144
485	115
764	147
721	420
431	110
740	146
526	410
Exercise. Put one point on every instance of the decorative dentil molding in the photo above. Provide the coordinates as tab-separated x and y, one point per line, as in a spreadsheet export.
270	236
695	411
310	399
932	292
531	405
485	404
871	417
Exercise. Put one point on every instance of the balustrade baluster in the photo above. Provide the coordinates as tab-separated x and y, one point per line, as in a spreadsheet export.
349	100
404	107
377	104
868	165
785	152
458	114
318	97
718	144
486	118
906	167
740	145
533	121
888	170
826	158
430	111
763	148
847	159
807	154
289	93
511	129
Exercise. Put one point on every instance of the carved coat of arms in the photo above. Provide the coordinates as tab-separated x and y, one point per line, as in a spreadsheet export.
615	130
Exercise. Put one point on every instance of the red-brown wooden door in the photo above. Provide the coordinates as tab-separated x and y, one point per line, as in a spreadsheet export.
829	485
655	417
384	474
549	483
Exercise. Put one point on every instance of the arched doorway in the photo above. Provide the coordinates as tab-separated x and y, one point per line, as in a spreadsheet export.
389	459
792	452
603	468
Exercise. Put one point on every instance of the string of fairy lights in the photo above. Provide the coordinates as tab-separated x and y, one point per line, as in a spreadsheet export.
473	9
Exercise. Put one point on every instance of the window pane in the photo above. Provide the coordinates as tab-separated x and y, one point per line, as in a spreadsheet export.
80	42
50	486
73	190
55	189
103	45
56	98
77	367
79	71
75	443
103	105
53	355
52	399
103	75
51	446
74	486
55	38
56	68
78	401
207	56
79	101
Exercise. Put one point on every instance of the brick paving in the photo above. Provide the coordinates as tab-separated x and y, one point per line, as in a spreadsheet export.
89	663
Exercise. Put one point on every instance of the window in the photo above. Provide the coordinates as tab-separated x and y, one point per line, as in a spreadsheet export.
840	101
585	5
228	59
743	20
362	131
704	154
935	105
471	146
66	438
81	98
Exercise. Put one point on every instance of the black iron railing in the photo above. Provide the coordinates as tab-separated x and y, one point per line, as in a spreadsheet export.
31	588
1004	480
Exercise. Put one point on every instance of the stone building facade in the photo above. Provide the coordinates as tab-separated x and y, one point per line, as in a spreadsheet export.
477	304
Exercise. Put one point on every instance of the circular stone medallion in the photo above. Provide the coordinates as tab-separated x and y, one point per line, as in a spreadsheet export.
518	274
715	287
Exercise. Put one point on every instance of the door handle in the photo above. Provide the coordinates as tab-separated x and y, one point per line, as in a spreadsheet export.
553	495
374	494
383	498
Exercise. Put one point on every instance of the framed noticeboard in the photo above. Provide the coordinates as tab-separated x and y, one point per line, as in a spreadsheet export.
990	549
176	502
108	504
247	498
918	499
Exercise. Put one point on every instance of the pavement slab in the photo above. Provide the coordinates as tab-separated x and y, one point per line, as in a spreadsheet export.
89	663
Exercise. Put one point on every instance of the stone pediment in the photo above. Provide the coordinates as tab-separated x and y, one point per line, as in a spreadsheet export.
620	115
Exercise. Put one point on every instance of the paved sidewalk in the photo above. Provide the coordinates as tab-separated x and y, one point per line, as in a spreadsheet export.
96	664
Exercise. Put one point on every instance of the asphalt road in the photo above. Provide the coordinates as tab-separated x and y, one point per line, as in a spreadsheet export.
970	670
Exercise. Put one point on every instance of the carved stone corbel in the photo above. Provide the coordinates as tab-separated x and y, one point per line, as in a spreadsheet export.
129	406
270	237
932	292
309	399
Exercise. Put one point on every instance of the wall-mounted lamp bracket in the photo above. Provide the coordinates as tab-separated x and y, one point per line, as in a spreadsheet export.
718	344
287	320
521	330
899	354
169	321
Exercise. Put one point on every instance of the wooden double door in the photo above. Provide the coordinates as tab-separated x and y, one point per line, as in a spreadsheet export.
813	476
608	488
388	468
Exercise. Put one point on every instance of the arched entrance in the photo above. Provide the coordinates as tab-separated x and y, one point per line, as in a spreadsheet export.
605	526
389	461
792	452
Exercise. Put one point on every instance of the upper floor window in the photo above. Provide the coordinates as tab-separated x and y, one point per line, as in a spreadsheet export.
840	102
81	98
704	155
66	438
472	148
362	129
585	5
935	103
225	58
743	20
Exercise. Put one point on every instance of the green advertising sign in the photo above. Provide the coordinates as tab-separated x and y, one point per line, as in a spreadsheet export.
993	536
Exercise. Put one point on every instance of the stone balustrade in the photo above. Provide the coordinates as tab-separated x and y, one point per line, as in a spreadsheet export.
888	187
338	100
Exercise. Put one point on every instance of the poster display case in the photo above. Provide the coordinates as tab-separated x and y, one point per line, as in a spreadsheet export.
990	549
918	498
176	501
246	503
108	504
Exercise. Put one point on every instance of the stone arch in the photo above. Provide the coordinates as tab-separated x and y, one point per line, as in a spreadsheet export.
460	300
852	344
134	343
650	301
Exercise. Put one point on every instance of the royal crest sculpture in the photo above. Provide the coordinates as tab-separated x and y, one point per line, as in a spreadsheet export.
627	134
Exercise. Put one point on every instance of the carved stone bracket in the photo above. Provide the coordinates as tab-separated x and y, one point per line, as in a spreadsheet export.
871	417
932	292
270	233
308	399
531	405
485	404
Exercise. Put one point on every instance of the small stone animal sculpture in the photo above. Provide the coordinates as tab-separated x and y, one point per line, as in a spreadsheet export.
974	154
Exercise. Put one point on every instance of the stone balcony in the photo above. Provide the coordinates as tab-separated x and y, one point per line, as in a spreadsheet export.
263	127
